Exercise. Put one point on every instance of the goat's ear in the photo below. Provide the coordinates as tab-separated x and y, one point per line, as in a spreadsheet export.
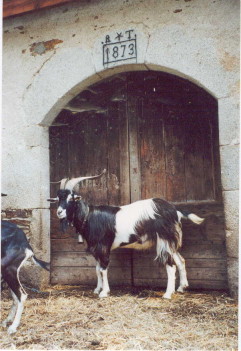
54	199
77	197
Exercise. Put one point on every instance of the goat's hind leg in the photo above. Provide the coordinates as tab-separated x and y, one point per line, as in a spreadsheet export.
180	262
171	278
19	296
11	276
165	253
20	305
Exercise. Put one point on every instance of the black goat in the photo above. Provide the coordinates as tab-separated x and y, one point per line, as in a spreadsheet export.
139	225
15	251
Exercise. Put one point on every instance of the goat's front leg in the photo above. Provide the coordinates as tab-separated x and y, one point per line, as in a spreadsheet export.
171	277
12	311
99	279
105	288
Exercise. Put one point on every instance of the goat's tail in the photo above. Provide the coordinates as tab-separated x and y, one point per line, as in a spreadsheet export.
41	263
191	216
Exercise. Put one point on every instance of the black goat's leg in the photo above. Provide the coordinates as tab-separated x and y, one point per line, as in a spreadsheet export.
19	297
11	276
12	311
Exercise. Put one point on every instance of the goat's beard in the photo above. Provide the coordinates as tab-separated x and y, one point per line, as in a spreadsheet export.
64	224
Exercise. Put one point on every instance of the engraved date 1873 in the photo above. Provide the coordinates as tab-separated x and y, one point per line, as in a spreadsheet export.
121	47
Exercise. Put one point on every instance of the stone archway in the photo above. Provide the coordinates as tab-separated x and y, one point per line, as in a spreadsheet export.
71	70
156	135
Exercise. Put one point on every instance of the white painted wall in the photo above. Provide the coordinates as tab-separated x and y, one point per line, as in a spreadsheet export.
51	55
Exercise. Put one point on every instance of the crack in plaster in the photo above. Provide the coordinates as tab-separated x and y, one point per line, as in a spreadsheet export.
38	71
141	23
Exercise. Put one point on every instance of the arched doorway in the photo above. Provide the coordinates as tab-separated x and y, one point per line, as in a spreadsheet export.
157	136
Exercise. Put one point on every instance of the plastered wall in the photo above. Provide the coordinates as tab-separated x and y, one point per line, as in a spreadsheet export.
51	55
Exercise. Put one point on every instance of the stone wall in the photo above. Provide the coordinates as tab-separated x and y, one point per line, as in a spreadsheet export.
49	56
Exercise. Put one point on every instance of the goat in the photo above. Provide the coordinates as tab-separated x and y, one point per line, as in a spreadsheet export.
15	251
139	226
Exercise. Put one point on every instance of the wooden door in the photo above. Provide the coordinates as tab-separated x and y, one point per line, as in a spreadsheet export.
152	145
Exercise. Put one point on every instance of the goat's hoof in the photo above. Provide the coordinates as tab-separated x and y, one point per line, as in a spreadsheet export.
167	296
182	288
103	294
97	291
4	324
12	330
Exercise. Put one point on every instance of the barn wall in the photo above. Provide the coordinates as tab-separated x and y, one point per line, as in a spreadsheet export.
51	55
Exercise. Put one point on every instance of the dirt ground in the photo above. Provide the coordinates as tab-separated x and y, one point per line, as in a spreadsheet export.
65	317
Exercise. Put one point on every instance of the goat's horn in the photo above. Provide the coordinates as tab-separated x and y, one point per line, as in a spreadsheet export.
62	183
72	182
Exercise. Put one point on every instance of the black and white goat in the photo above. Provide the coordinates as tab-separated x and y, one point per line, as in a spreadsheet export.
139	225
15	251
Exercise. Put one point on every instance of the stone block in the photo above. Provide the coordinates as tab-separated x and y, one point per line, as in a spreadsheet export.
40	233
229	121
232	243
229	157
231	208
233	276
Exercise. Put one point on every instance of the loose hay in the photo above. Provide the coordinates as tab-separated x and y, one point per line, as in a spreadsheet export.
68	317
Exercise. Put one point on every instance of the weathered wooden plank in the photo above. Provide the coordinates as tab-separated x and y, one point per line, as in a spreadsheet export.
148	262
194	155
72	259
114	162
59	161
193	284
208	284
174	156
206	263
124	155
215	250
151	150
135	176
89	156
87	276
66	244
209	153
83	259
196	273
